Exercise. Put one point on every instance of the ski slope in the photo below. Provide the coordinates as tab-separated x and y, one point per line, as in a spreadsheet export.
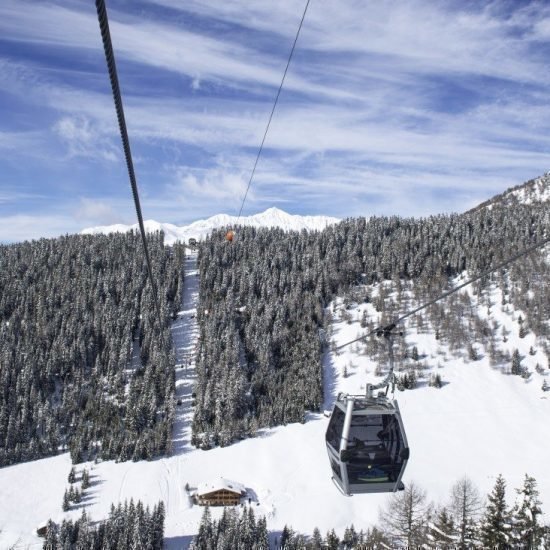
480	423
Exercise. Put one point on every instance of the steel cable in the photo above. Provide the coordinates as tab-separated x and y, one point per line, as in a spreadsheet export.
113	76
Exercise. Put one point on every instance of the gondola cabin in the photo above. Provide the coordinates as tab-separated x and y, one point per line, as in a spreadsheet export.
367	445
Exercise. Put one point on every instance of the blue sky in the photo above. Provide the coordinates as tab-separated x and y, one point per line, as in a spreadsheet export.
398	107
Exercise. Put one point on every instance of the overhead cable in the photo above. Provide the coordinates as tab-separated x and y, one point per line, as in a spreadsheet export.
111	65
385	329
272	111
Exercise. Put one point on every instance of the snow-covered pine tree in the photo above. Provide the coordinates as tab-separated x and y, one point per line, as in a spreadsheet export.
71	478
262	535
85	479
350	538
332	542
66	501
441	530
516	369
526	529
374	538
316	541
495	525
51	535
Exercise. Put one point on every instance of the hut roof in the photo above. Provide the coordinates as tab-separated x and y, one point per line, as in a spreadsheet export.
219	485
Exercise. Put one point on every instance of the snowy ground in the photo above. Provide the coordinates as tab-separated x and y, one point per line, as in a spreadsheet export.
479	424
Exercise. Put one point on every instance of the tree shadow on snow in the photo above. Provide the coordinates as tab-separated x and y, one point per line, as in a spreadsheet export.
178	543
329	381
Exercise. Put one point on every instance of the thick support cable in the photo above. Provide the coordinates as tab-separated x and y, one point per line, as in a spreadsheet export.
383	330
113	76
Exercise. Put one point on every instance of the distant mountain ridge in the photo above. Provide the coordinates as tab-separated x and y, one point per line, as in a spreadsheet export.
272	217
531	192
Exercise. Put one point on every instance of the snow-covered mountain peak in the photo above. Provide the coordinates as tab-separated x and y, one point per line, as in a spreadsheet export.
272	217
535	191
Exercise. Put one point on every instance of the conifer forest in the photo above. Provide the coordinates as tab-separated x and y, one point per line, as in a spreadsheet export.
67	379
128	526
72	310
263	322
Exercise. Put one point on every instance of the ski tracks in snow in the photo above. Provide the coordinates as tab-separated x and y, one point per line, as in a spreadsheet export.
184	336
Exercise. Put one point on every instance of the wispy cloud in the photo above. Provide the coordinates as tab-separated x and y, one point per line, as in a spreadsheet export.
388	107
8	196
97	212
24	227
218	185
84	138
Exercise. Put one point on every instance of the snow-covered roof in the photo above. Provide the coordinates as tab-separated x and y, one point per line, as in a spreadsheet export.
220	484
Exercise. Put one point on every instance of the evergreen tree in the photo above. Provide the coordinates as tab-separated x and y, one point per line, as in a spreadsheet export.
51	540
526	530
517	369
375	539
495	526
262	535
441	531
72	476
85	479
287	538
66	501
350	538
316	540
332	542
204	537
472	353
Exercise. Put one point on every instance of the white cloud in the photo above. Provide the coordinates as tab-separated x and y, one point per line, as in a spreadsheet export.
84	138
215	185
98	212
158	44
440	37
19	141
11	196
23	227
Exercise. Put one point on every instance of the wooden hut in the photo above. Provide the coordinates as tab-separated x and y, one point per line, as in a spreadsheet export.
42	529
221	492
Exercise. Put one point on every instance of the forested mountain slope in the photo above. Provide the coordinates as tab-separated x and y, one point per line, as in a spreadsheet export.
262	301
70	309
533	191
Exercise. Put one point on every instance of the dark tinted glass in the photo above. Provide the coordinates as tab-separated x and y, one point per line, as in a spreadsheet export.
335	427
335	469
374	447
